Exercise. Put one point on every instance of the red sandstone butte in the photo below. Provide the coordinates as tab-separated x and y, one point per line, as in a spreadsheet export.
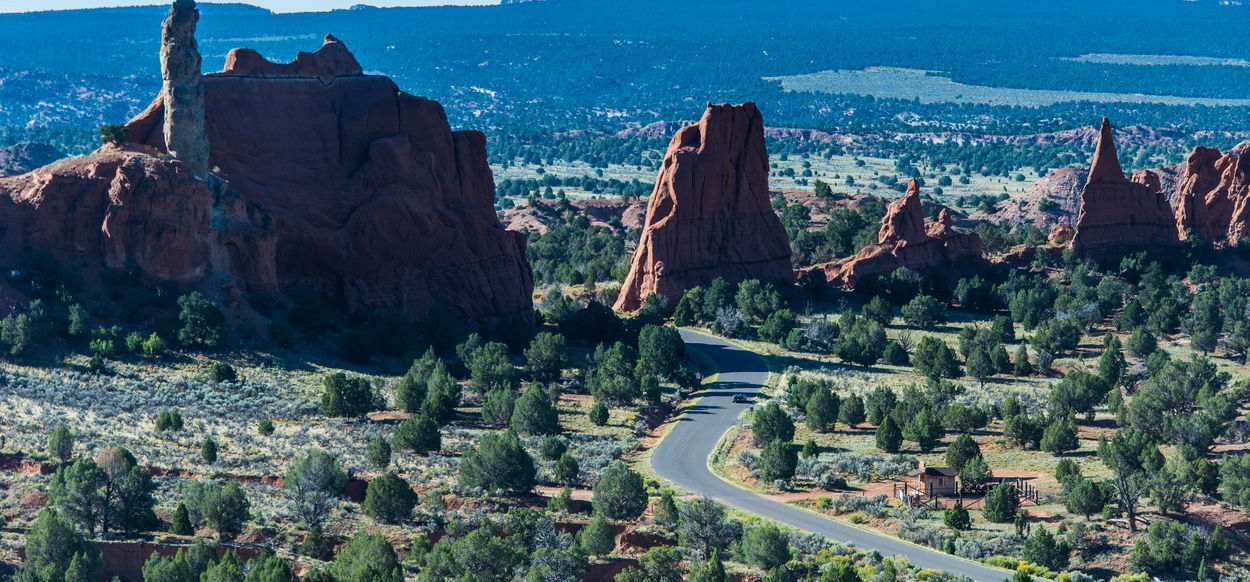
709	215
1118	214
905	240
1214	197
373	198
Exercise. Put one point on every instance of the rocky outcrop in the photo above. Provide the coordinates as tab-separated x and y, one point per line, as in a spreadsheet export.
1118	215
182	94
906	241
373	199
709	215
323	177
126	210
1213	203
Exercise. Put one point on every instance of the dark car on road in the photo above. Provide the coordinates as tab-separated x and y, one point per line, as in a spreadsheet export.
740	398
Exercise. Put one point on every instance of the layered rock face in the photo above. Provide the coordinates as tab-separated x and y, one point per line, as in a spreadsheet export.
1214	197
709	215
1117	214
373	198
905	240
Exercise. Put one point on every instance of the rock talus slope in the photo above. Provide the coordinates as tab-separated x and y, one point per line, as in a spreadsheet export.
709	215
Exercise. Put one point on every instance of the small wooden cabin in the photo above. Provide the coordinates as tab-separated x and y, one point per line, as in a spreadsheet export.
935	481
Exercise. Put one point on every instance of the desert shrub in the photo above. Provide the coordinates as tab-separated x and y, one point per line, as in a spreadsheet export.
202	321
872	466
314	484
367	558
534	413
877	506
1001	503
498	463
154	345
170	420
418	434
344	395
379	452
208	451
222	372
61	443
56	552
389	499
766	546
619	492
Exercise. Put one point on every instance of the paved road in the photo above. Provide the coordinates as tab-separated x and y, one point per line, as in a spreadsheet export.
682	459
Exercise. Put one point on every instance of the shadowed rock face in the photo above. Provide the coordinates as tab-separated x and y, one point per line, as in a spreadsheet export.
1117	214
373	197
709	215
906	241
23	157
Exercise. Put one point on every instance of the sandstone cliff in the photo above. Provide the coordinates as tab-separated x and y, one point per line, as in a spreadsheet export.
1214	196
709	215
322	177
906	241
1118	215
373	198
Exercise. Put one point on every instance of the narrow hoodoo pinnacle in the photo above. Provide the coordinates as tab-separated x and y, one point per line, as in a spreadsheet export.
182	90
1106	164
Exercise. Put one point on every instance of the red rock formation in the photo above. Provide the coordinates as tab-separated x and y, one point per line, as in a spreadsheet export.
1117	214
181	91
905	241
1060	234
709	215
125	210
1212	201
373	197
1194	215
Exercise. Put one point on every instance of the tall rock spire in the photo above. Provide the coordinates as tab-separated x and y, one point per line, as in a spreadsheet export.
182	90
1106	164
709	215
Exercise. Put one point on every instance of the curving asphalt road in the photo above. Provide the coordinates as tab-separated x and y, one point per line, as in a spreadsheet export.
683	459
